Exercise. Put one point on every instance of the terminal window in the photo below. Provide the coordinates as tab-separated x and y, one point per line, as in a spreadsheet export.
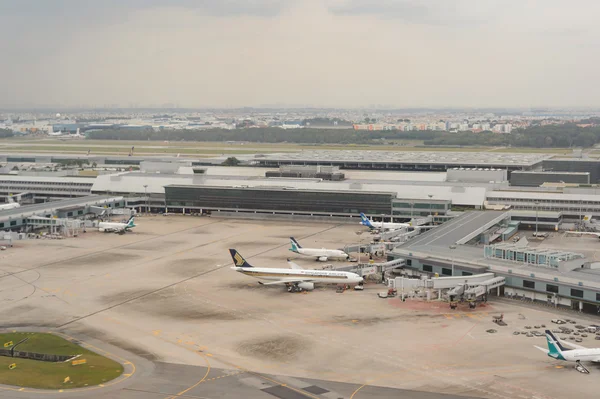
427	268
576	293
597	297
446	271
467	273
552	288
408	262
528	284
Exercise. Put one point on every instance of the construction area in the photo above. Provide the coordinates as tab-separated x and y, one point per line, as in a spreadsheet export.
163	299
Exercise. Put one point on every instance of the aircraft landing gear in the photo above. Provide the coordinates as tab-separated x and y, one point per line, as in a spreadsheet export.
580	367
293	288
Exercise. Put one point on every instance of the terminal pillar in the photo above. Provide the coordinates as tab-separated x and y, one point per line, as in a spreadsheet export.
580	306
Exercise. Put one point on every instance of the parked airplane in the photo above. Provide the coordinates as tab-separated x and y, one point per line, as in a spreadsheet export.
579	354
381	225
295	279
11	204
121	228
321	254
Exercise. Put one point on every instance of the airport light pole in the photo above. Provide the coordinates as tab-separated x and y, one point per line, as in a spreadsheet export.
145	197
452	252
430	214
536	217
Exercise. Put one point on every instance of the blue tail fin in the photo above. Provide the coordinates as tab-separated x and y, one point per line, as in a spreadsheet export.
365	220
238	259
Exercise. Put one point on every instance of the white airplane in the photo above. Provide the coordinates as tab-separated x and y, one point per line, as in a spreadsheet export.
321	254
578	354
381	225
11	204
295	279
120	228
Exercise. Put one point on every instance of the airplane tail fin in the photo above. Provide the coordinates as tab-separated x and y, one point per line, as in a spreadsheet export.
293	265
587	218
555	348
295	245
131	222
238	259
365	220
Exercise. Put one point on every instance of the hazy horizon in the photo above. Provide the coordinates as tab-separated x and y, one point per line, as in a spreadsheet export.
388	54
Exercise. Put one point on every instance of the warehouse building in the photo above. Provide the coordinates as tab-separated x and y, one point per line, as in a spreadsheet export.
410	161
46	187
571	206
536	178
581	165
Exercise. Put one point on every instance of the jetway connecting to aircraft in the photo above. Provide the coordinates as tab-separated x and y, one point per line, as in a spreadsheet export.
473	292
458	288
367	269
400	235
65	227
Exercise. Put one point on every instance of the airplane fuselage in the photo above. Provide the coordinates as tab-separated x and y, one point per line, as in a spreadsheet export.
110	227
6	207
385	226
315	276
322	253
582	355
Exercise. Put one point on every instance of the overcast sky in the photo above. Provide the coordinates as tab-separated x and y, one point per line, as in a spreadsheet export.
334	53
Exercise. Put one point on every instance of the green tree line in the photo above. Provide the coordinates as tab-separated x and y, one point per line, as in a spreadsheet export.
6	133
567	135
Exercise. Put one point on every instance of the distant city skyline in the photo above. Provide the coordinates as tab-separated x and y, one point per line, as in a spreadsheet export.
401	54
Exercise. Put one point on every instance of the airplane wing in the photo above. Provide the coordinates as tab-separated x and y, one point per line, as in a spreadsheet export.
288	280
542	349
294	265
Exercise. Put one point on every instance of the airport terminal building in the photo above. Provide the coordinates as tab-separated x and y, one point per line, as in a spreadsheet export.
556	277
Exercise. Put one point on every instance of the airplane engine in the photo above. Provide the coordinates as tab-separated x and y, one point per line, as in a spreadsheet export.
306	286
322	258
101	230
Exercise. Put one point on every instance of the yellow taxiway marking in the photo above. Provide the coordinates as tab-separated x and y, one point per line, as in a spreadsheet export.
196	384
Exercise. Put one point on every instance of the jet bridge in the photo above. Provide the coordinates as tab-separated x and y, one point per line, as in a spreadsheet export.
471	293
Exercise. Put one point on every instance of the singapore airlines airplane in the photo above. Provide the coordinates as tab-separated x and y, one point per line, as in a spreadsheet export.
120	228
321	254
381	225
578	354
295	279
11	204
